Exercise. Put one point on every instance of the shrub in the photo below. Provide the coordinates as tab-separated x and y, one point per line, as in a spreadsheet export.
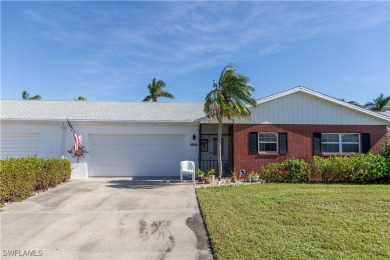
385	149
385	152
21	177
298	170
361	168
346	167
372	168
291	170
273	172
325	168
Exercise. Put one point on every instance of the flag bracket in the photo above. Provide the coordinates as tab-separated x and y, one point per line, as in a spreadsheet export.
79	154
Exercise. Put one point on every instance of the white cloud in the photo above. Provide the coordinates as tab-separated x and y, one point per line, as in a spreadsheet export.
179	37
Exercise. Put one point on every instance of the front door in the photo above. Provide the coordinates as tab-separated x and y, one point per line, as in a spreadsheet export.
213	153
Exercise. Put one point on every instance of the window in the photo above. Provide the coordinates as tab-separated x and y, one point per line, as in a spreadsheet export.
268	142
340	143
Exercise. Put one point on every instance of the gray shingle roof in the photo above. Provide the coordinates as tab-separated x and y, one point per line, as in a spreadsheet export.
387	113
43	110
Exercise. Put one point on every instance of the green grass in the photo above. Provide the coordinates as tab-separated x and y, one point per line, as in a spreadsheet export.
298	221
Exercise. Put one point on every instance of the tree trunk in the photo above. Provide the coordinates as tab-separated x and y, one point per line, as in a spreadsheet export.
219	149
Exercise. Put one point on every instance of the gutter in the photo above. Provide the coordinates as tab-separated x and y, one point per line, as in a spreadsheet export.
104	122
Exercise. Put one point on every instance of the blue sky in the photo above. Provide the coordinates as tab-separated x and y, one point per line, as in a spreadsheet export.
112	50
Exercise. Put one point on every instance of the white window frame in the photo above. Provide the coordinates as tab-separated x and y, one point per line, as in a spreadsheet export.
262	142
340	143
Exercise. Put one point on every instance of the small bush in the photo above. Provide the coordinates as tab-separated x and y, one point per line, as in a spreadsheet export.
298	170
21	177
291	170
325	168
273	172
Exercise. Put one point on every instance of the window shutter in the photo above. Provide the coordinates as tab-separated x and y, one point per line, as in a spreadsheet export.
283	143
253	142
317	143
366	142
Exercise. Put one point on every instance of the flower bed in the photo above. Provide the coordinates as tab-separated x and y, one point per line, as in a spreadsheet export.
224	182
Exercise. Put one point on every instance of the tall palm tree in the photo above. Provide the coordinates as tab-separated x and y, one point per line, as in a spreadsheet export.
228	100
80	98
26	96
379	104
156	90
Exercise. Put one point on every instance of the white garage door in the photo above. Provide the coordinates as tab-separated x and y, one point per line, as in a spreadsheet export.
18	145
137	155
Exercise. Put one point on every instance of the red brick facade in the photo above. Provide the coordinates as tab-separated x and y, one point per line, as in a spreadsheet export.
300	141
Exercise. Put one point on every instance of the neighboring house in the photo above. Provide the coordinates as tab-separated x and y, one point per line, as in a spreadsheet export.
150	139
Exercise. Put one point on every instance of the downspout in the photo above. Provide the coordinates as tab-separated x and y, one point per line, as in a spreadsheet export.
63	140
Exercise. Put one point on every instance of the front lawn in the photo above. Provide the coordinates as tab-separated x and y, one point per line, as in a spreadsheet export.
298	221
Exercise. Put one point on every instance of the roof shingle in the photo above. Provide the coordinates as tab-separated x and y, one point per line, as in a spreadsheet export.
100	111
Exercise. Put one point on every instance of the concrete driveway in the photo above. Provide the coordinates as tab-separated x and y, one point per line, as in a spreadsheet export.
106	219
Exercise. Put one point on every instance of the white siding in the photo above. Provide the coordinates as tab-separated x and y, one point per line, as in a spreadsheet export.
302	108
19	145
55	139
48	144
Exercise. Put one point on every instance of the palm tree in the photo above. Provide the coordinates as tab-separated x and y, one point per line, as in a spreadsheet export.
379	104
26	96
228	100
156	91
80	98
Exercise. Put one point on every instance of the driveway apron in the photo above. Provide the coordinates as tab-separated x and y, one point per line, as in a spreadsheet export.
99	218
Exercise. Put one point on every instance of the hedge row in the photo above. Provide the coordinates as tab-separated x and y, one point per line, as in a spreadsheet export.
363	168
21	177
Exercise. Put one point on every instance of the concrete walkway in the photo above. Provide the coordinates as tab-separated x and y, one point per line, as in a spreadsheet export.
107	219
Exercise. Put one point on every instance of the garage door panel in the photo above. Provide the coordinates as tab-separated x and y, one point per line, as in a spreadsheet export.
141	153
139	140
137	155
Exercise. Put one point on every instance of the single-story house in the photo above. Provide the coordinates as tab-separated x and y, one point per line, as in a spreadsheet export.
150	139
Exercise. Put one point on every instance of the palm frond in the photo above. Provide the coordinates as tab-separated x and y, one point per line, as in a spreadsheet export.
155	89
166	94
379	104
230	96
36	97
147	99
25	94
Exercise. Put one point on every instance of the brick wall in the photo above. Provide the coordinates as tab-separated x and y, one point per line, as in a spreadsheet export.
300	141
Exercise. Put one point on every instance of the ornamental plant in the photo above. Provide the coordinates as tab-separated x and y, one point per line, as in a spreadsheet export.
200	173
211	172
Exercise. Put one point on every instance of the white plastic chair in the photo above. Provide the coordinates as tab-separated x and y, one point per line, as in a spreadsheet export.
187	167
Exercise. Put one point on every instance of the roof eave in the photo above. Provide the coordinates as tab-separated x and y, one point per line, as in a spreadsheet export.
159	122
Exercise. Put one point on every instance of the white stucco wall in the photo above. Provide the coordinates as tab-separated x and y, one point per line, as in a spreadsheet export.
56	138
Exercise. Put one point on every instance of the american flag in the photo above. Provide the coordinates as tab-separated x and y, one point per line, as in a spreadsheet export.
77	137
